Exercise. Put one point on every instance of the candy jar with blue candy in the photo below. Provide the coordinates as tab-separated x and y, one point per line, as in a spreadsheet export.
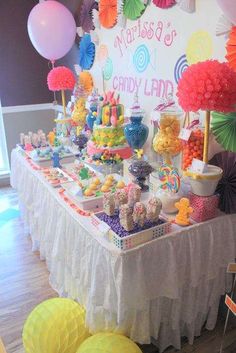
136	132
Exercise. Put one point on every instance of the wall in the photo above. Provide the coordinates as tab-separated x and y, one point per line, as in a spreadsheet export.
24	121
150	54
23	71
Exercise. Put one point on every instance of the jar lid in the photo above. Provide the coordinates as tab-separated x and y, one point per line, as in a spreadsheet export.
135	110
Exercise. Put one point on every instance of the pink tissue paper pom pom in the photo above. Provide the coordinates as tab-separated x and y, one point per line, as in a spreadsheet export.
212	85
60	78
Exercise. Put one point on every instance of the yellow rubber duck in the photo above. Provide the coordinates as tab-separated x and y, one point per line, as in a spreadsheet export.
185	210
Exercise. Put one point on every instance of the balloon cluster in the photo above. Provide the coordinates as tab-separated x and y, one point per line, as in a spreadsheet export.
208	85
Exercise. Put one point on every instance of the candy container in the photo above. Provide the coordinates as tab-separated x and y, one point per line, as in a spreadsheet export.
153	209
166	141
139	214
126	218
185	210
193	148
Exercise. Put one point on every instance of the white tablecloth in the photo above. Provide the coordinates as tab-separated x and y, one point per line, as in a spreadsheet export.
165	289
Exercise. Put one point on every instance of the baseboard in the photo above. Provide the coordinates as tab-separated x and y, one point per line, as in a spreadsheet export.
27	108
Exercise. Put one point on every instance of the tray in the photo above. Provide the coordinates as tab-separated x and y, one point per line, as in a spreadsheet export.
61	182
135	239
89	203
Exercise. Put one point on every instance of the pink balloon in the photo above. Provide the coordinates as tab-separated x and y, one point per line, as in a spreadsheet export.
52	29
229	9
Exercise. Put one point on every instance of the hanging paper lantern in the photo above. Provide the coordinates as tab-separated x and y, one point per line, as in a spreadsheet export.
133	9
56	325
86	52
108	13
231	49
60	78
223	127
85	15
108	343
207	85
164	4
227	185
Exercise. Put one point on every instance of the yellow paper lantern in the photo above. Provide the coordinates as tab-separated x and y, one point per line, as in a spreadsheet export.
108	343
55	326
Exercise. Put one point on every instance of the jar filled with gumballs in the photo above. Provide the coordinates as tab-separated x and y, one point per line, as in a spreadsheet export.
166	142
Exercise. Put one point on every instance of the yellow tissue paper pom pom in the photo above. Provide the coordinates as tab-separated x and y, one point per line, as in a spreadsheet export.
108	343
56	325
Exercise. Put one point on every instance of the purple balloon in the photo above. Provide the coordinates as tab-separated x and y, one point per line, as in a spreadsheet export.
229	9
52	29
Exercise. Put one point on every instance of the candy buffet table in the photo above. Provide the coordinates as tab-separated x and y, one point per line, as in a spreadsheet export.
164	289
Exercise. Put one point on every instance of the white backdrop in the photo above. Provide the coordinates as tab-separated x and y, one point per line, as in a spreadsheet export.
149	52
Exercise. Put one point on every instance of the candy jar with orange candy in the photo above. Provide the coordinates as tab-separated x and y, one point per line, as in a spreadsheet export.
166	142
193	147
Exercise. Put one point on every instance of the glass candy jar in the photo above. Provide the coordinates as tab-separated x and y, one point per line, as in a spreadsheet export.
166	141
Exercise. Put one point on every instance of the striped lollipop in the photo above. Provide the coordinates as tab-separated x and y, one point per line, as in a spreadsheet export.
169	177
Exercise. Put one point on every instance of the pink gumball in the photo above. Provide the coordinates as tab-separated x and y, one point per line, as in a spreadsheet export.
52	29
229	9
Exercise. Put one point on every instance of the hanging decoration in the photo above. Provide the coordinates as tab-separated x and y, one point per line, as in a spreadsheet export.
187	5
133	9
86	80
231	49
223	127
95	17
227	185
121	20
85	15
86	52
164	4
208	85
229	9
60	79
108	13
223	26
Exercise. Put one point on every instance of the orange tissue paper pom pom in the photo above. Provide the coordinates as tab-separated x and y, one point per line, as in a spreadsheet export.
208	85
60	78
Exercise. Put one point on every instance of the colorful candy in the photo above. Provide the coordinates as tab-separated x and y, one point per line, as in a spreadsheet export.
193	148
169	178
166	141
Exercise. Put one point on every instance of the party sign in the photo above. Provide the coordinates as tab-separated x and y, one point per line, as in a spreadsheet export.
150	54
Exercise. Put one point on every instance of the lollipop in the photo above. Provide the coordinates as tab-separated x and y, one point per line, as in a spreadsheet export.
169	178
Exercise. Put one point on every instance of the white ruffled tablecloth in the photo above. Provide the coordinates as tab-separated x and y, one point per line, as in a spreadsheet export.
164	289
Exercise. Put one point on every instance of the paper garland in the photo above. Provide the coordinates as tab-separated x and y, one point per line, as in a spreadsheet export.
133	9
223	127
86	81
164	4
108	13
226	187
86	52
187	5
223	26
85	15
231	49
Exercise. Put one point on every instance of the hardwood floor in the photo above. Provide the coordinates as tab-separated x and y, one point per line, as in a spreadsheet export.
24	284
